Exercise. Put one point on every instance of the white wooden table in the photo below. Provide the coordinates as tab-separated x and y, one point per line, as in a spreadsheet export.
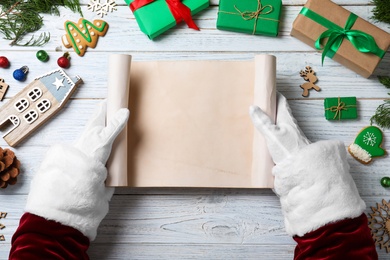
194	223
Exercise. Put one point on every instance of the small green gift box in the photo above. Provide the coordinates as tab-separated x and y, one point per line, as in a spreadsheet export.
154	17
250	16
340	108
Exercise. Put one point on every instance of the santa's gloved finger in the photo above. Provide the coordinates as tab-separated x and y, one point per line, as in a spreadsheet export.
115	126
283	111
260	119
99	116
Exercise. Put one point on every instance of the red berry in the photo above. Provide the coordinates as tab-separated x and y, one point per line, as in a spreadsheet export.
4	63
63	61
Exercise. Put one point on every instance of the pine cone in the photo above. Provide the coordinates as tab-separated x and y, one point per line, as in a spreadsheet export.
9	168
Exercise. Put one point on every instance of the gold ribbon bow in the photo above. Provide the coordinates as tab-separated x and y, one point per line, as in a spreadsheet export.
339	108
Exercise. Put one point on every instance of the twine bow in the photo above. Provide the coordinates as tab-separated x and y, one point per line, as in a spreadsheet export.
249	15
362	41
339	108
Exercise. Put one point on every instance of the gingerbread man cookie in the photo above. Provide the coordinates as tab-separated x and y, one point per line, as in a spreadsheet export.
367	145
83	34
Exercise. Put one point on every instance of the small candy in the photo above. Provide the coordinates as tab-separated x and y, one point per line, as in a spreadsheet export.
20	74
42	55
4	62
385	182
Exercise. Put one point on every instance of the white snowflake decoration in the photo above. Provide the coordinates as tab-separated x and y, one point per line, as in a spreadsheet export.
102	9
369	139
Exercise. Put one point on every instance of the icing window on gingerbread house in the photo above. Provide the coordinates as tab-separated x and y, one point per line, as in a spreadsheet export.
22	104
43	105
34	94
31	116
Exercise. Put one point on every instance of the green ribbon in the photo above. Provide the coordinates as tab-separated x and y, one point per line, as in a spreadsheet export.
362	41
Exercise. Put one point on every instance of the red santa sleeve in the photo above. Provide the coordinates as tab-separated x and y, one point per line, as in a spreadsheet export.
39	238
345	239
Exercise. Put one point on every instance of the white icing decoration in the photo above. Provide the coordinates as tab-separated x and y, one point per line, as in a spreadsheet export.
360	153
81	26
80	47
92	33
98	24
89	27
70	28
78	40
83	31
75	34
369	139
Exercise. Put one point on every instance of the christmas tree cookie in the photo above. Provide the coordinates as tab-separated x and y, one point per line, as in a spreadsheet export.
83	34
367	145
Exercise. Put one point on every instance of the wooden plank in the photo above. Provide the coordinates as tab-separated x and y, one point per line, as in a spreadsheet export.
184	221
67	125
334	79
130	38
193	223
285	2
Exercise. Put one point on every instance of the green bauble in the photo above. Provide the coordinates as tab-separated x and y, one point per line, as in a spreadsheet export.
42	55
385	182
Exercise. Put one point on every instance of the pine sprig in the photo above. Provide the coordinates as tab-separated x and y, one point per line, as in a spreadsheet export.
382	113
19	18
381	10
385	81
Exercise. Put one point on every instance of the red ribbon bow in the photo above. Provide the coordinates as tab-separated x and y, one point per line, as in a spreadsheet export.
178	9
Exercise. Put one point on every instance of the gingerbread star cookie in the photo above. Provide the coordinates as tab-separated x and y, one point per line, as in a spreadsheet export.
83	34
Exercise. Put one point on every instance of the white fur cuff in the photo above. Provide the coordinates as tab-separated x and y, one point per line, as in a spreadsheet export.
69	188
316	188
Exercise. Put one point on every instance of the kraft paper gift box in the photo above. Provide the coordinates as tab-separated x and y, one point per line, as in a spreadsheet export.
341	35
250	16
155	17
340	108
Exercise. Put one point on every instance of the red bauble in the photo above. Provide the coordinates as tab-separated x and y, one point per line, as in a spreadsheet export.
4	63
63	61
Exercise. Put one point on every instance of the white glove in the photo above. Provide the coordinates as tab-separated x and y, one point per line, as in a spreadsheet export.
312	180
69	186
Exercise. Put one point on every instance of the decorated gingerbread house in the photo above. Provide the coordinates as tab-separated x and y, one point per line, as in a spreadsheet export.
35	104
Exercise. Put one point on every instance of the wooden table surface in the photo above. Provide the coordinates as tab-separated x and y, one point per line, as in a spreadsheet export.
194	223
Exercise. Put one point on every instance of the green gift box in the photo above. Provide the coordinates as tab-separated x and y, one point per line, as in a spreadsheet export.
156	17
250	16
340	108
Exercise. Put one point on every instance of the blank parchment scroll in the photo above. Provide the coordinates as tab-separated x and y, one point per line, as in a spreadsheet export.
189	124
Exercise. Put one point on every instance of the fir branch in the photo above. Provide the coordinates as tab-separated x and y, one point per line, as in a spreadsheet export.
381	10
382	113
385	81
19	18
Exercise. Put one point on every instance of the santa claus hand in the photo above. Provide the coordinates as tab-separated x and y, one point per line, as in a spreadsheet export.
69	186
97	139
284	137
312	180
